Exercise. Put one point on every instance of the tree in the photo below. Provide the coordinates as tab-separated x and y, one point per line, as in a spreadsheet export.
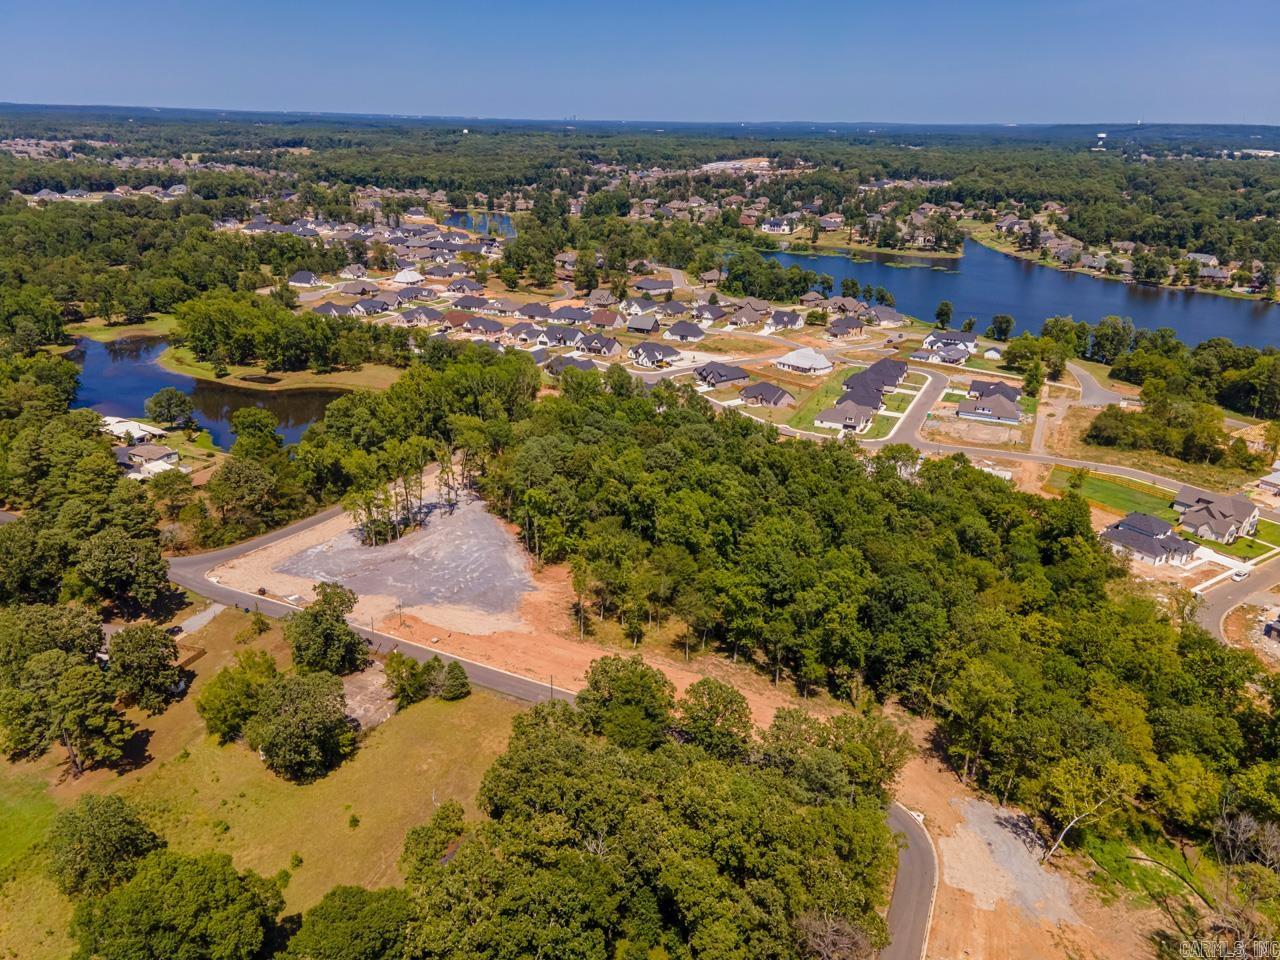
320	637
171	491
1081	790
456	685
943	314
123	568
410	681
1001	327
352	923
179	907
627	701
61	699
301	726
716	717
232	697
97	843
1033	378
143	662
170	405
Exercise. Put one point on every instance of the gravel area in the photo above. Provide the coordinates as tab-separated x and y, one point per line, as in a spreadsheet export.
462	557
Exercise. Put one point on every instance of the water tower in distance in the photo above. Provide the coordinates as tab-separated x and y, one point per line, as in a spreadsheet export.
1101	145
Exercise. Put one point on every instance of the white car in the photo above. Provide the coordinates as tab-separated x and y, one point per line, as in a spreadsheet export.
1240	575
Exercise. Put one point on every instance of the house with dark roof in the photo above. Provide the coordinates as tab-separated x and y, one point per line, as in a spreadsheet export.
762	394
305	278
470	303
646	324
534	311
558	365
846	328
654	284
993	409
332	310
606	320
684	331
598	345
939	340
1149	539
717	374
1219	517
571	315
653	355
846	416
556	335
464	285
783	320
986	389
524	332
708	313
484	326
421	315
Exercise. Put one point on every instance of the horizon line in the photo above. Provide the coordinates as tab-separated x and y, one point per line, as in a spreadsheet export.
570	122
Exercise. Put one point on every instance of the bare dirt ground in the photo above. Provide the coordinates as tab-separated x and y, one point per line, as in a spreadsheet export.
1243	629
464	585
995	900
946	427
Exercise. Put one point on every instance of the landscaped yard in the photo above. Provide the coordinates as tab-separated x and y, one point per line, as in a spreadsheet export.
201	796
1246	548
1118	495
898	402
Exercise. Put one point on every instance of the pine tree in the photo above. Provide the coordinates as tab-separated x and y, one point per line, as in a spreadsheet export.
456	685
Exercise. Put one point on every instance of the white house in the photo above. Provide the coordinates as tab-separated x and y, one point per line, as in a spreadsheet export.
805	360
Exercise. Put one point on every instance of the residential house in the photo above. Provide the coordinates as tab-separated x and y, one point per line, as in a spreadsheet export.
558	365
525	332
556	335
654	285
408	276
940	339
305	278
846	328
464	285
716	374
846	416
708	313
606	320
653	355
985	389
763	394
684	331
783	320
646	324
1149	539
778	225
883	316
470	303
598	345
534	311
332	310
1214	516
991	409
353	271
131	430
484	326
145	460
600	297
805	360
831	221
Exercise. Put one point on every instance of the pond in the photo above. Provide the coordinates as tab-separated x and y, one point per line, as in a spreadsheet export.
494	224
117	378
985	282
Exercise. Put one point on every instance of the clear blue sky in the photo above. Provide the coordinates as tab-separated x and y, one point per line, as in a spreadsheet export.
839	60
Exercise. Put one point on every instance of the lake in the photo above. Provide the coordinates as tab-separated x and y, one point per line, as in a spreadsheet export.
117	378
985	282
494	224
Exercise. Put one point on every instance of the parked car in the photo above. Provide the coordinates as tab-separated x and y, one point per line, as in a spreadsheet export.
1240	575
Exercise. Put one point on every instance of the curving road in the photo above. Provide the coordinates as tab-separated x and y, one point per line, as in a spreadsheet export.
914	888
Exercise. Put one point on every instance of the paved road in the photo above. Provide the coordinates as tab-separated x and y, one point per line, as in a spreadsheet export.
911	907
1220	600
1092	392
7	517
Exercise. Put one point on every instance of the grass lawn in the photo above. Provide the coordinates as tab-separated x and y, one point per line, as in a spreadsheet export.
1029	404
1121	496
201	796
728	343
879	428
954	396
1269	531
157	325
371	376
1246	548
898	402
820	399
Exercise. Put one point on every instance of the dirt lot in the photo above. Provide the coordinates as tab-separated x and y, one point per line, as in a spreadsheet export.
995	901
464	585
1243	629
946	427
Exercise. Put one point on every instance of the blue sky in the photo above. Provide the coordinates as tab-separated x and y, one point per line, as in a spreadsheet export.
958	61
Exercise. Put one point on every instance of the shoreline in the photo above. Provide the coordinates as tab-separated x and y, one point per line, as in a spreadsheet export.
368	377
991	244
851	250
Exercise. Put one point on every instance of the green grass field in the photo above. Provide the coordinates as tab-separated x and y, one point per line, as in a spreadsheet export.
1117	495
880	428
898	402
1246	548
202	796
817	401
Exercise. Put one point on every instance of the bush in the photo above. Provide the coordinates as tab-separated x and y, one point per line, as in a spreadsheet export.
456	685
